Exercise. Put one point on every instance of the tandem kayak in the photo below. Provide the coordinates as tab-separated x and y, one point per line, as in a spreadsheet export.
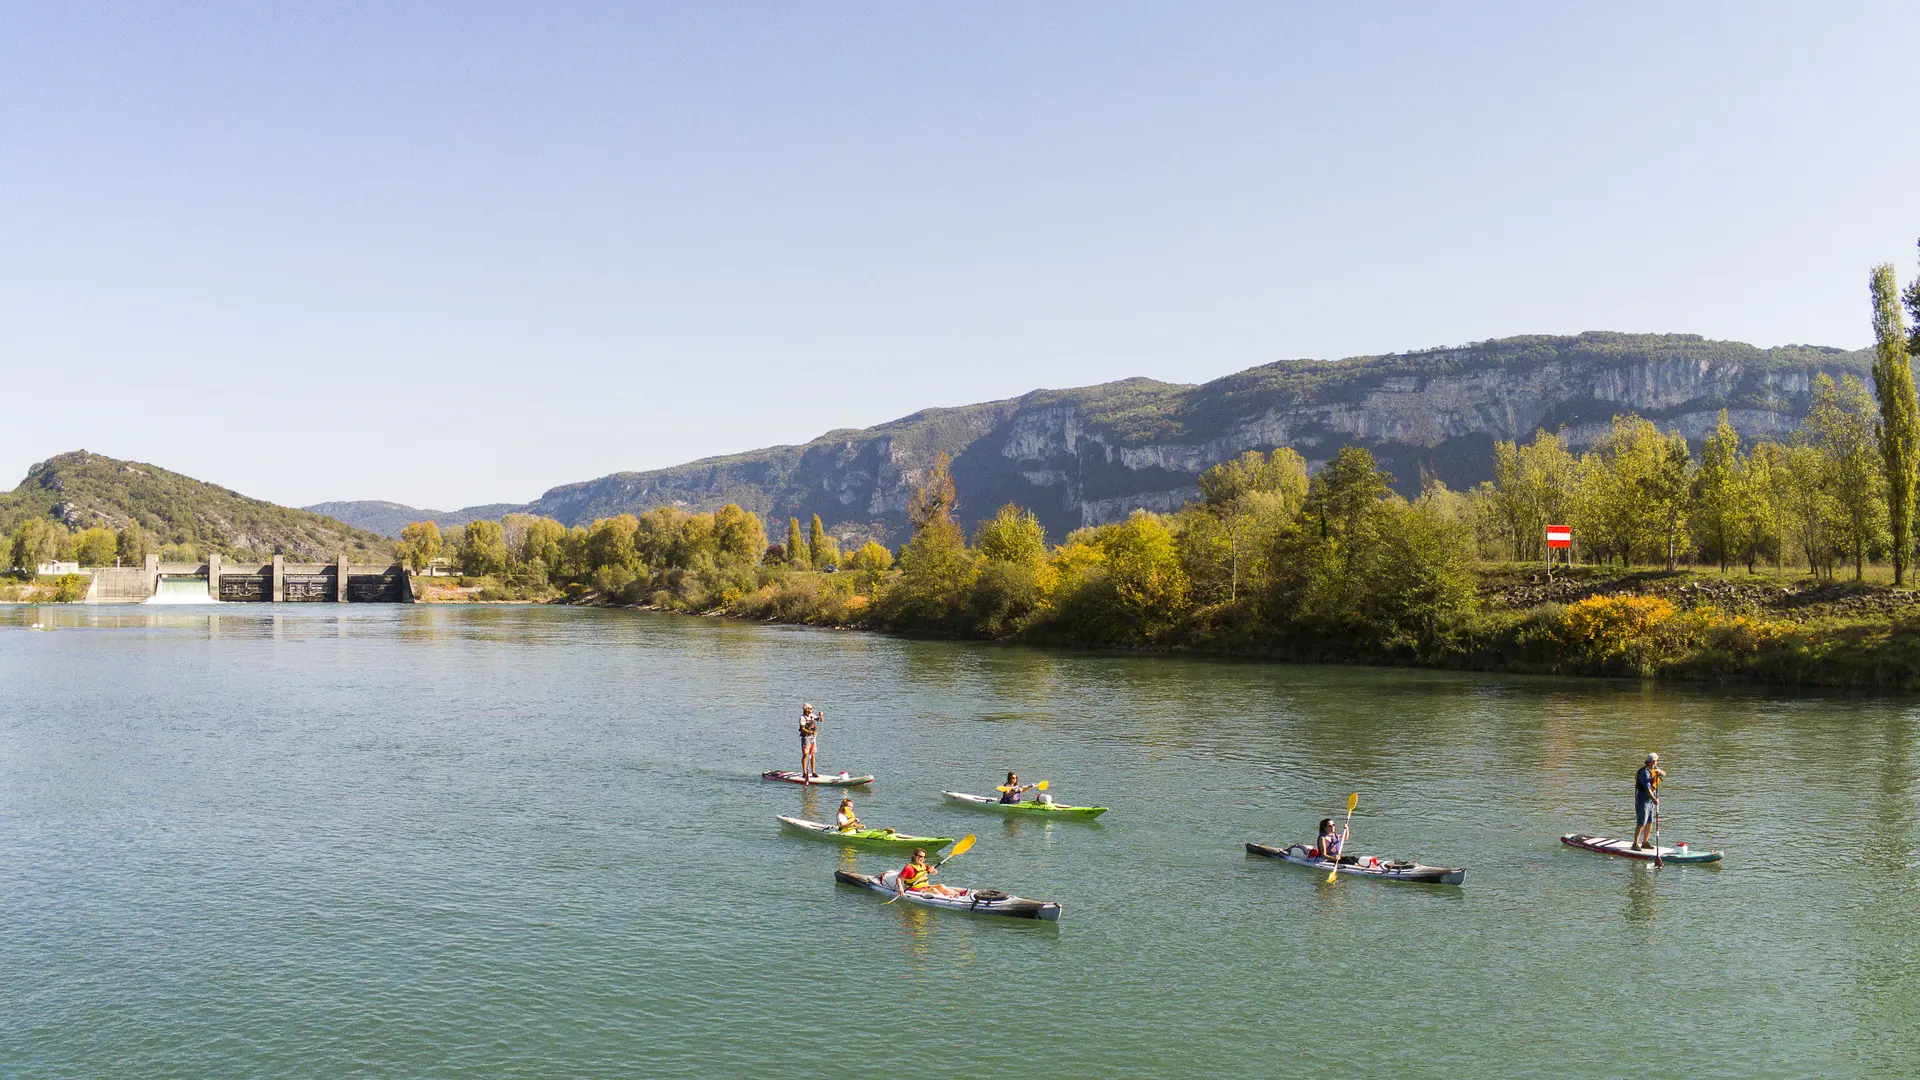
974	901
882	839
1365	866
981	802
1678	853
788	776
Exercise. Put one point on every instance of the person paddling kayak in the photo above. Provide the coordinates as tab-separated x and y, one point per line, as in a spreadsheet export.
846	820
1330	841
917	876
809	729
1646	799
1010	793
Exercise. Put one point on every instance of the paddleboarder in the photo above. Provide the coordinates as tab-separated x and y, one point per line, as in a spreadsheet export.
1646	800
809	728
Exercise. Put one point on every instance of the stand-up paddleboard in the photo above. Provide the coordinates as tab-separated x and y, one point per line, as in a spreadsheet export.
1678	853
842	779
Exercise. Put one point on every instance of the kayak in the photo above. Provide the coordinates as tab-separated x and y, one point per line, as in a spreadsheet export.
974	901
981	802
883	839
817	779
1366	866
1678	853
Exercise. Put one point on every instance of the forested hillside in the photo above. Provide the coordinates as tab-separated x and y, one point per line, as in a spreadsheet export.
127	504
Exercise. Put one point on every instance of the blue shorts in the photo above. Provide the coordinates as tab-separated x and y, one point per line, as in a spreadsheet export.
1643	810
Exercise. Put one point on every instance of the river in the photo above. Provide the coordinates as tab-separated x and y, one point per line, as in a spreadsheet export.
361	840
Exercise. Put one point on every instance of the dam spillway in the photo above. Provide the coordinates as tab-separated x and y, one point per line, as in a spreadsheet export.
221	581
181	589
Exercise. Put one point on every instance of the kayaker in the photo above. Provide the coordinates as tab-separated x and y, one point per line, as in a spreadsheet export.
809	728
846	820
917	876
1011	793
1330	841
1646	799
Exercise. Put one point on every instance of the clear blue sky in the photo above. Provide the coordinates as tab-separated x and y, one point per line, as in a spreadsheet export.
447	254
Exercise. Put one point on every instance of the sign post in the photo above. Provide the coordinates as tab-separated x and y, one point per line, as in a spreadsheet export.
1558	536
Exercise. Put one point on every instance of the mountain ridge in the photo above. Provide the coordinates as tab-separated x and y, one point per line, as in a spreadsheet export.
1086	455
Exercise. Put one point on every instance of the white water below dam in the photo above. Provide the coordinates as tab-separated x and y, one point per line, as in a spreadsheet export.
181	589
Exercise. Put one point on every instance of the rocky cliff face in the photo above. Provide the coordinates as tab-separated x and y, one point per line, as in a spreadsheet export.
1087	456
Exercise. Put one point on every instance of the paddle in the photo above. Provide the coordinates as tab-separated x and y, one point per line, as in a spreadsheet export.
1041	786
959	849
1658	862
1353	800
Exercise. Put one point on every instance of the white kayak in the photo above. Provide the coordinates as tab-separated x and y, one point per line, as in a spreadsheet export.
974	901
1366	866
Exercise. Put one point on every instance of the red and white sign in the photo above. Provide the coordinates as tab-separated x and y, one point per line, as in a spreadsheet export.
1559	536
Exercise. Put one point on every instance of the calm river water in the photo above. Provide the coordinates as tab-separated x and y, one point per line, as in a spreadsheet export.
531	842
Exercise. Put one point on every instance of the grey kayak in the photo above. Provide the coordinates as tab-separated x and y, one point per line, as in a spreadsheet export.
1365	866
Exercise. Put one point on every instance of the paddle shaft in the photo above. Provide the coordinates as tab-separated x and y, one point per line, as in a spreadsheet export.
1658	861
1346	831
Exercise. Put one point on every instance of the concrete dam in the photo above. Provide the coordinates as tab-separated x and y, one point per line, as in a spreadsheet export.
278	582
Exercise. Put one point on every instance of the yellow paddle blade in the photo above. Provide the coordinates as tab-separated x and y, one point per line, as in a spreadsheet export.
1042	785
1003	787
1353	800
1333	873
965	843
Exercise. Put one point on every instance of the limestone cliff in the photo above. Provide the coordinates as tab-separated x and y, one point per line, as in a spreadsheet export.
1085	456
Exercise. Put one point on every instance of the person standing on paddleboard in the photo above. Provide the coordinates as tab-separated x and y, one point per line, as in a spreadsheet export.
809	729
1646	799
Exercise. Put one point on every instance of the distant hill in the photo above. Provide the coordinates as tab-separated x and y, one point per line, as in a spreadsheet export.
388	518
83	490
1091	455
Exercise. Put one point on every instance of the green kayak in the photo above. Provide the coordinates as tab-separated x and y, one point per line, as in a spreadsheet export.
880	839
981	802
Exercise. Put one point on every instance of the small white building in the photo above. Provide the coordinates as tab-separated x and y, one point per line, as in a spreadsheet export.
54	568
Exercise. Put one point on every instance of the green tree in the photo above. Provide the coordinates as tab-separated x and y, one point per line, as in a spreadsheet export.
818	545
540	543
1720	494
1762	526
1841	425
1809	515
133	544
1012	535
37	541
1533	487
95	546
1144	568
1626	496
1341	494
738	536
797	555
937	571
1899	427
1419	575
1013	545
420	544
934	498
483	548
1242	499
